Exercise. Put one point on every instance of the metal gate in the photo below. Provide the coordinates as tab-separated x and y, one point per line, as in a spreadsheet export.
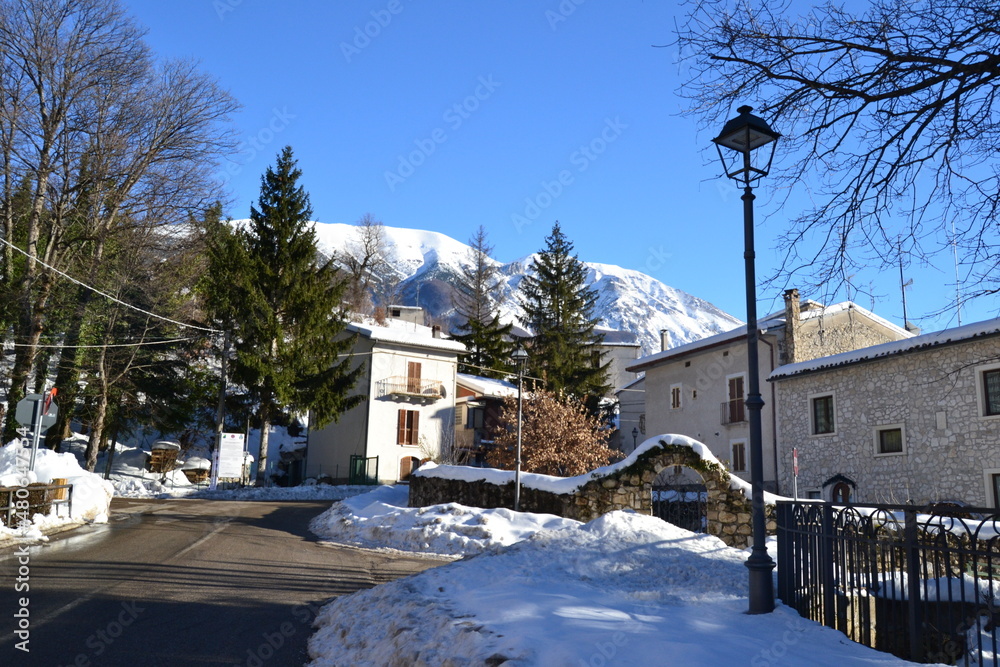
363	470
682	505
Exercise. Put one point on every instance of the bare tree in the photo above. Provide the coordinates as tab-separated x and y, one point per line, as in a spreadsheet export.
104	139
373	280
889	117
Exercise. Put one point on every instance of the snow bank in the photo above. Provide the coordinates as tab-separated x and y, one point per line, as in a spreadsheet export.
382	519
91	493
623	589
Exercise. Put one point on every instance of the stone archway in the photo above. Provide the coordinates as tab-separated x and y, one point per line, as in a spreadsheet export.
727	509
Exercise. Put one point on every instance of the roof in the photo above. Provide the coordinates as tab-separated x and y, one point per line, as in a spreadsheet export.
486	386
631	386
405	333
969	332
810	310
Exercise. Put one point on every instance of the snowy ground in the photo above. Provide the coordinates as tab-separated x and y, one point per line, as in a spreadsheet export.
624	589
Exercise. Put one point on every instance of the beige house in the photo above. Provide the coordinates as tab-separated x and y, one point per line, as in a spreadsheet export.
914	421
409	412
698	389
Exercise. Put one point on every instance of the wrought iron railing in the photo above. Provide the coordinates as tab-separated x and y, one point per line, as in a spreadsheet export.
683	505
733	411
921	583
411	387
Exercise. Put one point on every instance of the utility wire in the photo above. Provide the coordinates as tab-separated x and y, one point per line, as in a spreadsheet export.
85	347
105	294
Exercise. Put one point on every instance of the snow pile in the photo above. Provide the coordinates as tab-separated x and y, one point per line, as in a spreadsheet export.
91	494
382	519
623	589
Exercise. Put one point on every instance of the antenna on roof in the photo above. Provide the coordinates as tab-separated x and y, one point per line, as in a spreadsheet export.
958	282
903	284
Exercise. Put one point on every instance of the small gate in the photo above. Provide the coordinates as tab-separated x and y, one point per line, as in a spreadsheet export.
363	470
682	505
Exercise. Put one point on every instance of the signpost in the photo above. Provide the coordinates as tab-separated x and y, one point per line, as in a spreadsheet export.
37	412
795	473
228	462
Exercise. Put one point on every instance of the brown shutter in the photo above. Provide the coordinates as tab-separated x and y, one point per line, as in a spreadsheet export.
416	430
401	428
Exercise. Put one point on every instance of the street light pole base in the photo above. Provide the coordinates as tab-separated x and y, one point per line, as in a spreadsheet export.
761	582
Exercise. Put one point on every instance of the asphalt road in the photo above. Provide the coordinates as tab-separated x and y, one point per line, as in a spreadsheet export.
181	582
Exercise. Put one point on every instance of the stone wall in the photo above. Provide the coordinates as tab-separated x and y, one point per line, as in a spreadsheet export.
728	510
950	449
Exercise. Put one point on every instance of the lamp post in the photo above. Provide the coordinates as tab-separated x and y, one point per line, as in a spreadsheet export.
520	357
635	437
741	136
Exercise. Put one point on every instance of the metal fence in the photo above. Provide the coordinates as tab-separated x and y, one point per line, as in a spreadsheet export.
920	583
682	505
41	498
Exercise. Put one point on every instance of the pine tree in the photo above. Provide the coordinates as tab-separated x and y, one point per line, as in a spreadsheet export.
284	308
559	312
476	303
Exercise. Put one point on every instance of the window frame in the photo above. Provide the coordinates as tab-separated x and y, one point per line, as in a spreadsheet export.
741	400
676	392
981	394
877	441
408	428
811	403
732	455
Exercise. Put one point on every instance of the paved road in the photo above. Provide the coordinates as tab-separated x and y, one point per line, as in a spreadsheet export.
182	582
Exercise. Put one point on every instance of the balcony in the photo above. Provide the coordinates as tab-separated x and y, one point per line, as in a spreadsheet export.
413	390
733	412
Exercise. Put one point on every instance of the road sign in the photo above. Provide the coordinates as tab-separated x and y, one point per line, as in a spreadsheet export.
25	411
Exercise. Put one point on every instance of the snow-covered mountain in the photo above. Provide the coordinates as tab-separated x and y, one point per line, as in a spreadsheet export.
429	264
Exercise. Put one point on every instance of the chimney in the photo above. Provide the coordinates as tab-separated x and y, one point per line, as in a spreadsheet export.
436	331
663	340
791	324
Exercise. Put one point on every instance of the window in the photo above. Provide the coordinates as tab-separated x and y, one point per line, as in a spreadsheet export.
739	460
734	410
413	377
675	397
475	419
991	392
822	414
889	440
407	427
841	493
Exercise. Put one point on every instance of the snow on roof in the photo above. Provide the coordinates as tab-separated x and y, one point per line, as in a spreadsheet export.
568	485
405	333
773	321
883	350
769	322
487	386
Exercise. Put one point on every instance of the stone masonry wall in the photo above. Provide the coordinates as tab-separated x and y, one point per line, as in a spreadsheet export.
950	449
728	511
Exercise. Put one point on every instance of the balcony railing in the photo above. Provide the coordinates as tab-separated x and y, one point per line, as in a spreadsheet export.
407	388
734	411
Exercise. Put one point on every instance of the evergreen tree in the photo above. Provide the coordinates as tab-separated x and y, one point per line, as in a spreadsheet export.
284	308
476	302
559	312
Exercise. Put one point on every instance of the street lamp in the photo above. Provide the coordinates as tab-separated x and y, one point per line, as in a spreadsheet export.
635	437
520	357
741	136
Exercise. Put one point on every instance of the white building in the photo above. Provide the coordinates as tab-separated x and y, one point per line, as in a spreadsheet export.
409	412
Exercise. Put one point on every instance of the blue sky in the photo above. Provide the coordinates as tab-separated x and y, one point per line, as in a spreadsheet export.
447	116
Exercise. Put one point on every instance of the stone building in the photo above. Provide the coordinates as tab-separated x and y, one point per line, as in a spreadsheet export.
913	421
698	389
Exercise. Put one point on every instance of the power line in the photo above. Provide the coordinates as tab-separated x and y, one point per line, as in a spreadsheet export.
104	294
86	347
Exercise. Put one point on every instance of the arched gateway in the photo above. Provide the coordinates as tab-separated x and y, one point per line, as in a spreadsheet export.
624	485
